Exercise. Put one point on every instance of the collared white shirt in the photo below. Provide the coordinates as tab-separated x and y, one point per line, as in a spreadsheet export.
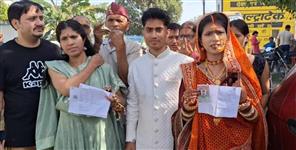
133	51
153	97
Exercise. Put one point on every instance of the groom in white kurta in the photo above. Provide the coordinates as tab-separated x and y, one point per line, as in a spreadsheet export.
154	82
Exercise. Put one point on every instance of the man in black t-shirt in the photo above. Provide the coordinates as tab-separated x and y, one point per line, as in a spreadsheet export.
21	73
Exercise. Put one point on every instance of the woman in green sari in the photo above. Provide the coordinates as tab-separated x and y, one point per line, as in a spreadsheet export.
56	127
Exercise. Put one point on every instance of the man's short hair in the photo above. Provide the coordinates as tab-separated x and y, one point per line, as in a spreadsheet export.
78	16
174	26
255	32
288	27
17	9
189	24
156	13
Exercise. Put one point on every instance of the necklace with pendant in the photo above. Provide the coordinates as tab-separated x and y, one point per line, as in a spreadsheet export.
216	121
217	79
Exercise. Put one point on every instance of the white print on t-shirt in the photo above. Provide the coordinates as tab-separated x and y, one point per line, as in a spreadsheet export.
34	75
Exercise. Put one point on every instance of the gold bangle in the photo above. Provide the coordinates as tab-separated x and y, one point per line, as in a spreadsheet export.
253	117
187	111
187	115
185	119
244	106
249	114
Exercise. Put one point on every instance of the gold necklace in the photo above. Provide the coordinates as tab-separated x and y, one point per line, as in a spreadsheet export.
216	62
217	79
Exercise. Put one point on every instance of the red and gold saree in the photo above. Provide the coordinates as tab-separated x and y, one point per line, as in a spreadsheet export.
204	132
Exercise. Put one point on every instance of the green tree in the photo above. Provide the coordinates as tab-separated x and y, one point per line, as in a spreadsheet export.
137	7
3	11
288	5
55	13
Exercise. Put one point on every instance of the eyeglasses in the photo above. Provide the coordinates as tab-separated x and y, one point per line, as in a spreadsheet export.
188	37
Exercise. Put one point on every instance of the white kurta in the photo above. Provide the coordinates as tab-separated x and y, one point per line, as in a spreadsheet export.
153	97
133	51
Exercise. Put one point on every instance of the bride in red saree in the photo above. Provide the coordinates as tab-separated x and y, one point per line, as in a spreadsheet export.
221	58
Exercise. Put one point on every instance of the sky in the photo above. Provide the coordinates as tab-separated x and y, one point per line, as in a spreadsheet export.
191	8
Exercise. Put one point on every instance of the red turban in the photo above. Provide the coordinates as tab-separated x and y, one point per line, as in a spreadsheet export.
116	9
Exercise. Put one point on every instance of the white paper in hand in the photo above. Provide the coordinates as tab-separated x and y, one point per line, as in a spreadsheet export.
205	100
90	101
228	98
219	101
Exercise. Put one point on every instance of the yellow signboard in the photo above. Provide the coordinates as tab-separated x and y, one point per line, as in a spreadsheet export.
267	20
238	5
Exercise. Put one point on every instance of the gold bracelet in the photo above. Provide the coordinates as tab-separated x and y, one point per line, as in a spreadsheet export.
185	119
253	117
244	106
187	115
249	114
187	112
